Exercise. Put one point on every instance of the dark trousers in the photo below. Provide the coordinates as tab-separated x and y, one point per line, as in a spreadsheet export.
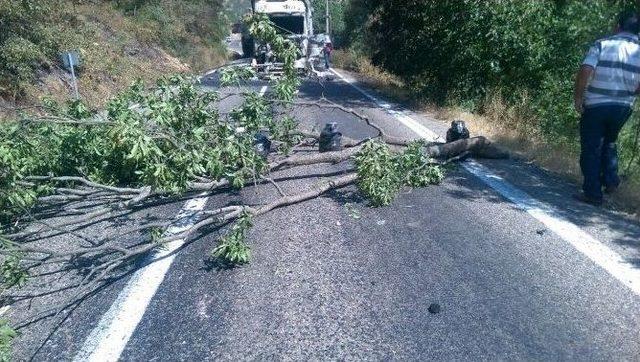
599	129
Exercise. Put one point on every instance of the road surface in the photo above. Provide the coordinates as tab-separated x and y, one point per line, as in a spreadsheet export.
519	273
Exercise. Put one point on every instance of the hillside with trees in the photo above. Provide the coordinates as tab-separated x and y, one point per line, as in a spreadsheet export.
118	41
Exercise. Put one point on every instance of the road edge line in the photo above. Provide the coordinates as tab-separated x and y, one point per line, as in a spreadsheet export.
108	339
606	258
400	115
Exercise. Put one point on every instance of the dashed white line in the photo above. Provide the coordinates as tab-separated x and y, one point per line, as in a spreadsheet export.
400	115
592	248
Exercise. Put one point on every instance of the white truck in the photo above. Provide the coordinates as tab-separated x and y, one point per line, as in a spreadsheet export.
294	20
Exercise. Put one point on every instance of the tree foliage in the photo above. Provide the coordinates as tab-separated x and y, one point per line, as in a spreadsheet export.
336	18
165	139
382	172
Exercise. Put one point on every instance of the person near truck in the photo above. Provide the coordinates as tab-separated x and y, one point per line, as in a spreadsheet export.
327	50
606	88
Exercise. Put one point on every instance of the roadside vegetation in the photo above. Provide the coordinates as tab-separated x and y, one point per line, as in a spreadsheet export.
506	67
117	41
336	18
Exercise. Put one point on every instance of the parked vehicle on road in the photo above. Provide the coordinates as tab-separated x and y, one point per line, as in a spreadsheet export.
294	19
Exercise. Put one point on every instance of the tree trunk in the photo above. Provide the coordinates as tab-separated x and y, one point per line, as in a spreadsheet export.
479	147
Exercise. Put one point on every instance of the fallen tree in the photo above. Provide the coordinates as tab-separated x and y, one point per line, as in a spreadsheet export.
67	169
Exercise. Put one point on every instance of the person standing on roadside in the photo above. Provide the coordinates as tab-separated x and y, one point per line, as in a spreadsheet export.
606	88
327	50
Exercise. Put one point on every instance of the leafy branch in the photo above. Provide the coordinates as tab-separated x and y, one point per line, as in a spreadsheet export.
72	168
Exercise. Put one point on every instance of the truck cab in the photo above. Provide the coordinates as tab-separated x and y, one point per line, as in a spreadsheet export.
293	19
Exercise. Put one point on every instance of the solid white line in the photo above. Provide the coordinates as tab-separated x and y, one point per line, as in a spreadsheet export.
592	248
400	115
109	338
595	250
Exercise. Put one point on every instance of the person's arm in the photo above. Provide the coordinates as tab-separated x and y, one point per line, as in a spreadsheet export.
582	81
584	75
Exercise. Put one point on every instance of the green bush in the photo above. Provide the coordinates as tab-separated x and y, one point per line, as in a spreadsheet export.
469	47
26	42
19	58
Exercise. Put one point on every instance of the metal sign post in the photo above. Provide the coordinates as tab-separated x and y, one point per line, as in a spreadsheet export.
70	60
73	75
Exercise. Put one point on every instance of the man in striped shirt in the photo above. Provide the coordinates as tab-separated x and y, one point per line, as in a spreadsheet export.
606	88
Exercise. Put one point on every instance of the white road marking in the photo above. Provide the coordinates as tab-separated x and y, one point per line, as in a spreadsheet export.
109	338
400	115
213	71
595	250
592	248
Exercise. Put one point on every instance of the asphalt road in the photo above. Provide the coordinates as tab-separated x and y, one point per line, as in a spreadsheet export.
333	278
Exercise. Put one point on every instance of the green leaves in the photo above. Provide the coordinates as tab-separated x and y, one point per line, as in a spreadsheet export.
161	138
13	196
165	138
416	169
378	177
12	272
285	88
78	110
381	173
283	130
254	114
232	247
7	335
235	75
